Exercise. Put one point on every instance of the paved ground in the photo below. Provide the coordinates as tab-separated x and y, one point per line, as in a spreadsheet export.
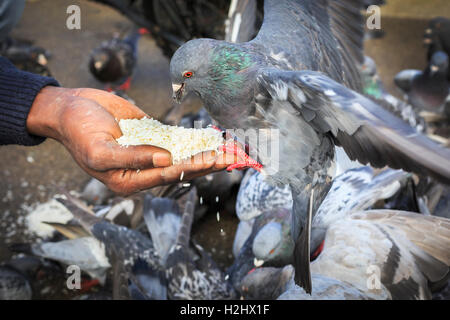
33	174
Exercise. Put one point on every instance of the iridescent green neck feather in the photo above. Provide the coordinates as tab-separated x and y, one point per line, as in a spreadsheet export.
228	63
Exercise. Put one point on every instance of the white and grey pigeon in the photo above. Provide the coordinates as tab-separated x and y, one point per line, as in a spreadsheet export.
269	240
278	283
123	248
190	271
299	76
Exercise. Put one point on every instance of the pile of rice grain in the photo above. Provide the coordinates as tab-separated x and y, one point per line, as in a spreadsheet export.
182	143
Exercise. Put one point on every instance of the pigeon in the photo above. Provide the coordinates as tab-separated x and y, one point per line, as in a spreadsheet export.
267	283
374	88
114	61
257	195
388	254
297	82
278	283
428	89
123	248
86	252
163	220
191	273
405	251
356	189
241	24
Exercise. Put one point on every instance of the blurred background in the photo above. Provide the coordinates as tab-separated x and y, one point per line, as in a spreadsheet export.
32	175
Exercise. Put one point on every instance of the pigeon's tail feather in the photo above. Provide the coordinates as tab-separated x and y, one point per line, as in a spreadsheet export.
163	219
146	282
70	231
184	233
80	211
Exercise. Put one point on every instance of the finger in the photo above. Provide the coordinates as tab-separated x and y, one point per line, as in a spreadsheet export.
107	155
132	180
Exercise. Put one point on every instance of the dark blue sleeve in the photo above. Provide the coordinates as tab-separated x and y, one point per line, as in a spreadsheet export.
18	90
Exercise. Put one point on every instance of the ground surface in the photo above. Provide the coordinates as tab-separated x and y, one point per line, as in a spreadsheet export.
33	174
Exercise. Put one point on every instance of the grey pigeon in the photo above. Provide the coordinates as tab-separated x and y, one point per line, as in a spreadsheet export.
123	248
428	89
374	88
297	76
163	219
437	37
114	61
353	190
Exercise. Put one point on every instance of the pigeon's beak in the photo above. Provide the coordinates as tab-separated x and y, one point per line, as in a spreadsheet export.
178	92
434	69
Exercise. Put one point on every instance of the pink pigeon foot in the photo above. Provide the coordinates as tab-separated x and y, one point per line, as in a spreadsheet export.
248	162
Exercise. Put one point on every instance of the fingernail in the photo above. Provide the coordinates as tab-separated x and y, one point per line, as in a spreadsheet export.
162	159
210	156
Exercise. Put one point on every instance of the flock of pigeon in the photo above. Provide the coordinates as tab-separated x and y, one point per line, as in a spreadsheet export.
333	222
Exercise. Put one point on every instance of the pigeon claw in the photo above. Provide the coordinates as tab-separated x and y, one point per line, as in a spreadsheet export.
126	85
244	162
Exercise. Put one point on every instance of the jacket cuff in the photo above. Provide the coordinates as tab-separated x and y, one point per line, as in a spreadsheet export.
18	89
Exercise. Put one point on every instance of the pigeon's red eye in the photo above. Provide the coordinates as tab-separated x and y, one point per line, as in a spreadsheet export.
187	74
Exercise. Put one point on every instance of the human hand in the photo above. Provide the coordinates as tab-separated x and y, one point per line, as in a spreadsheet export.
85	122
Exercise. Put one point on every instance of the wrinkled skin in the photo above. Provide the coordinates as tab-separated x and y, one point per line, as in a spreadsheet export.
83	120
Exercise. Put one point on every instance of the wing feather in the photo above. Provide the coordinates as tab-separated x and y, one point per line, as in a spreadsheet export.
366	131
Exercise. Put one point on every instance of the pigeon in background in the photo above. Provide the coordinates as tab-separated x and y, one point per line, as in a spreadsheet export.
408	252
299	75
114	61
437	37
428	89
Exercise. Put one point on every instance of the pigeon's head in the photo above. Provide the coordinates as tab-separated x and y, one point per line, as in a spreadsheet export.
99	60
439	62
214	70
189	67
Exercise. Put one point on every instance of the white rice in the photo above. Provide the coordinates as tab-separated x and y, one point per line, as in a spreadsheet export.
183	143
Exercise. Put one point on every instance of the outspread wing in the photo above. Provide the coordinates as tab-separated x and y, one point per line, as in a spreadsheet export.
241	23
366	131
320	35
